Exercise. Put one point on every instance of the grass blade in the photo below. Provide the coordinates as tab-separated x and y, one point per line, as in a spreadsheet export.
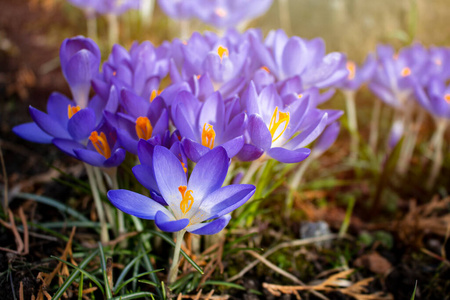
73	276
105	275
134	296
93	278
226	284
54	203
137	276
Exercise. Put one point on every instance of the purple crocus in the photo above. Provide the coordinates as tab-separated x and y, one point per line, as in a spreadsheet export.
206	125
178	9
144	120
80	61
286	57
107	6
191	201
273	125
436	98
229	13
100	149
357	76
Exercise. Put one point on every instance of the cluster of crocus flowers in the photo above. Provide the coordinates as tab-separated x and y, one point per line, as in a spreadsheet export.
230	98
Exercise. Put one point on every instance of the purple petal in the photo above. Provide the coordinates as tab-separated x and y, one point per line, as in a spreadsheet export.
288	156
249	153
294	57
31	132
209	174
225	200
81	124
135	204
327	138
165	223
259	133
57	106
67	146
117	157
48	124
145	175
169	175
233	146
145	152
211	227
194	150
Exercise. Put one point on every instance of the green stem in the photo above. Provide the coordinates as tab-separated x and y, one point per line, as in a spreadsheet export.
91	23
374	125
102	188
352	124
176	257
104	235
285	17
438	156
255	165
295	182
113	29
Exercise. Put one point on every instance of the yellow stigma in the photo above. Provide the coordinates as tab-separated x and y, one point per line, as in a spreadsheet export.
351	67
143	128
71	110
187	199
208	136
154	94
265	69
222	51
447	98
406	72
274	124
220	12
100	143
300	96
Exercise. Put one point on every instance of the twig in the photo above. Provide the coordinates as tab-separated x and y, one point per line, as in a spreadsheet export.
5	180
295	243
26	236
275	268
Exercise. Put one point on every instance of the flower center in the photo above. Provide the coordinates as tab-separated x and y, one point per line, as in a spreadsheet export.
222	51
100	143
184	167
208	136
265	69
187	199
275	124
351	67
154	94
406	72
143	128
438	62
220	12
447	98
71	110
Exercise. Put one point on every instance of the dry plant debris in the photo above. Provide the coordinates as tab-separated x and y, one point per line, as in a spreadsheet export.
200	296
334	283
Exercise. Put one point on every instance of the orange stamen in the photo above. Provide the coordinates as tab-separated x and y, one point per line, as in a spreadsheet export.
447	98
351	67
300	96
71	110
187	199
184	167
154	94
100	143
406	72
114	73
438	62
143	127
198	77
208	136
266	69
274	124
222	51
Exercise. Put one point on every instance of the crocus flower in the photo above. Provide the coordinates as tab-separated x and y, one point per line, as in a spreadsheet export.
229	13
286	57
209	124
357	76
100	149
436	99
178	9
190	202
80	62
144	120
107	6
396	74
272	126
